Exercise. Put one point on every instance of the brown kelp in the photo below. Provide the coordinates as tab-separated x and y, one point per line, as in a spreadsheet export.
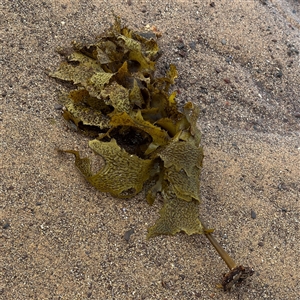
147	143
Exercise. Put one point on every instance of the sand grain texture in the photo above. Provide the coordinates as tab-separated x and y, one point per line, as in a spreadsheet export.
61	239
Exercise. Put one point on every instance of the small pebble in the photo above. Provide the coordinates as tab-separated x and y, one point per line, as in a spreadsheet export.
58	106
182	53
128	233
279	74
282	187
229	59
253	214
180	45
260	244
297	114
192	45
223	41
6	225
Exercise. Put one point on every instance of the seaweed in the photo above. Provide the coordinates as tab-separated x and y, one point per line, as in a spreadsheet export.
147	143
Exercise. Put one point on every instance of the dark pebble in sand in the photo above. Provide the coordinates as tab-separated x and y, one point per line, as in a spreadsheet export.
128	233
58	106
5	226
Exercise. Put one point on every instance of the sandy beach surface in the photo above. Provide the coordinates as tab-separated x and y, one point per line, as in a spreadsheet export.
60	238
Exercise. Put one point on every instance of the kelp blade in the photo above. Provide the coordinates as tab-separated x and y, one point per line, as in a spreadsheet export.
177	215
122	176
